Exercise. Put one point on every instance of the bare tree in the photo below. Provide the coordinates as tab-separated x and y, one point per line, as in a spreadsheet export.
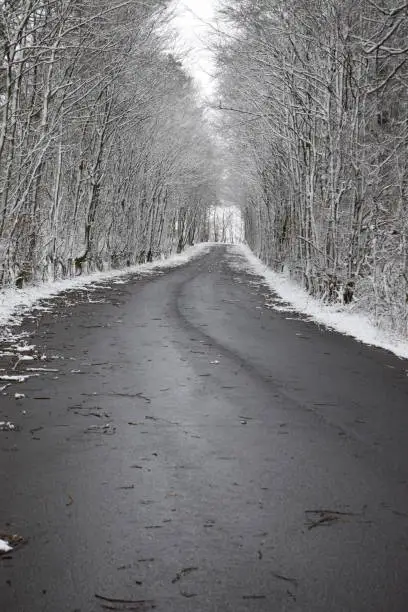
102	141
313	99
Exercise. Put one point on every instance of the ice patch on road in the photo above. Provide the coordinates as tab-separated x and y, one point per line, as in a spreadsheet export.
292	297
16	302
7	426
4	546
26	358
25	348
14	378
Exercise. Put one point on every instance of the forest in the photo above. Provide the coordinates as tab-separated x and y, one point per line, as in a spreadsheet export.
313	96
105	156
109	157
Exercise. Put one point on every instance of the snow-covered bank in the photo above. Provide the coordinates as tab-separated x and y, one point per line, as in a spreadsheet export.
337	317
15	302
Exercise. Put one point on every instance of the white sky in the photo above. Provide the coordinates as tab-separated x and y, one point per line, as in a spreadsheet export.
194	33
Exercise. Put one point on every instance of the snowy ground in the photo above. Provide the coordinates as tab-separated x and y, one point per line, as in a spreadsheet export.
15	302
292	298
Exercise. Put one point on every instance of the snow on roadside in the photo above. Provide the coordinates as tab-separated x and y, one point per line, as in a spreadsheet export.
14	302
337	317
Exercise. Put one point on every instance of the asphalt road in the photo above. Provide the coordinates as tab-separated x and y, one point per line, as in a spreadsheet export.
197	450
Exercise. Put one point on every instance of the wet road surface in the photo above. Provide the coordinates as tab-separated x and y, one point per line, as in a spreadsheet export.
196	450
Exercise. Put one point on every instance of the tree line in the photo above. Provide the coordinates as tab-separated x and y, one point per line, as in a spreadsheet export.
314	106
105	155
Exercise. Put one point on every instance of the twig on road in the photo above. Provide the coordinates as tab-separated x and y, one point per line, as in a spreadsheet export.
326	517
137	604
184	572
